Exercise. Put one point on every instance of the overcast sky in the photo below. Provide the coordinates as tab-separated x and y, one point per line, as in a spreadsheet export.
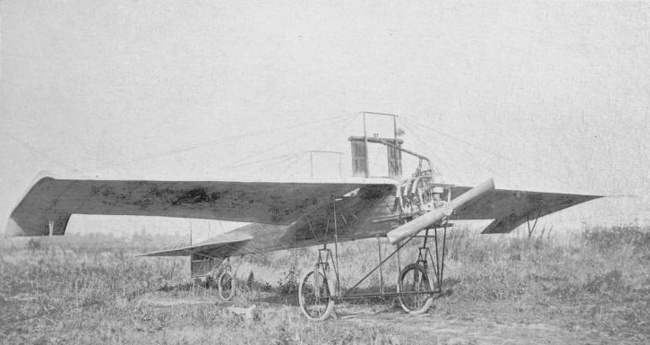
544	96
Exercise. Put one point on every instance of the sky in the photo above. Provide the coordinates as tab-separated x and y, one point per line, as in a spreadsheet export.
548	96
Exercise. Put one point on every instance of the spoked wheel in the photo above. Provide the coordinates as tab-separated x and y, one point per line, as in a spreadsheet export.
315	294
226	285
412	279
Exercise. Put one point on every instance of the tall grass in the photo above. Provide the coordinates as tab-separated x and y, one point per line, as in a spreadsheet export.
604	274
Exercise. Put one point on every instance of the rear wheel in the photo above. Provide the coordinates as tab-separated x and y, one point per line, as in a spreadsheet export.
415	289
226	285
315	295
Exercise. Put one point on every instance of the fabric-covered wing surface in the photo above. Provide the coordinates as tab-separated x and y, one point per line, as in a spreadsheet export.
511	208
219	246
52	201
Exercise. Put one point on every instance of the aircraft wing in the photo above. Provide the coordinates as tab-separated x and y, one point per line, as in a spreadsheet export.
219	246
50	202
511	208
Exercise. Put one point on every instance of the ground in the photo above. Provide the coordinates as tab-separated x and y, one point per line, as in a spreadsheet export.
504	291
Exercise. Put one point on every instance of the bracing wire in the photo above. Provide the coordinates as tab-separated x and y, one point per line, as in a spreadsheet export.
464	153
301	155
337	132
287	160
295	163
497	155
438	160
38	152
251	159
194	146
246	161
281	158
290	140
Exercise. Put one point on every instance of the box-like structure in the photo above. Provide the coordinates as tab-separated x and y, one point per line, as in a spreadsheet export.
360	155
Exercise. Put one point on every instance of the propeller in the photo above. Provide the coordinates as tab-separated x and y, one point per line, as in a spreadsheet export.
418	224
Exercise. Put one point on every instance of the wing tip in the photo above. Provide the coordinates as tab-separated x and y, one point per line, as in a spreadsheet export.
40	177
13	229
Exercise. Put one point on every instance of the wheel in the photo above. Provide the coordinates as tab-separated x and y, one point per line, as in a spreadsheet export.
315	295
413	278
226	285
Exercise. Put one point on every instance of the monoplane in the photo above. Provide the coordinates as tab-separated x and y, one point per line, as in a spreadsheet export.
400	207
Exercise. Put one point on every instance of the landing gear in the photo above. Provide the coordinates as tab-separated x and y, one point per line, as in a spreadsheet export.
226	285
229	286
316	294
418	283
414	289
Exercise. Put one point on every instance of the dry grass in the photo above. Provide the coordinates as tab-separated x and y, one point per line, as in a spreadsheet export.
68	291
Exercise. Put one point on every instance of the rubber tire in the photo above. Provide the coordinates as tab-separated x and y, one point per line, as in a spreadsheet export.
428	303
233	285
330	304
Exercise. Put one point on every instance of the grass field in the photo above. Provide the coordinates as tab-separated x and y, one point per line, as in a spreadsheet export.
592	289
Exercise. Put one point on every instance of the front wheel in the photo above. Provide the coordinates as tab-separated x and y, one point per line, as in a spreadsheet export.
315	295
415	289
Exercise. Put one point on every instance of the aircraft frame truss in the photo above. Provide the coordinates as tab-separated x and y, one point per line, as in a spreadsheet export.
418	283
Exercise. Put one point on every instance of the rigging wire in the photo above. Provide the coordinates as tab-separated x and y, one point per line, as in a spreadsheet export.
285	160
248	160
295	163
466	153
290	140
437	159
40	153
213	141
302	154
288	159
498	155
338	132
270	159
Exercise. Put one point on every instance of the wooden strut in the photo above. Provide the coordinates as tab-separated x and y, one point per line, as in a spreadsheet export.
336	246
531	229
381	271
439	266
